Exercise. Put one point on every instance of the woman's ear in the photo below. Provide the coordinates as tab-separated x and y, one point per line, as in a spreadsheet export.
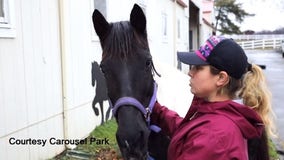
223	79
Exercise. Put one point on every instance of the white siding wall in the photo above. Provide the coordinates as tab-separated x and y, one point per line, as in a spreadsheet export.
162	46
79	51
30	81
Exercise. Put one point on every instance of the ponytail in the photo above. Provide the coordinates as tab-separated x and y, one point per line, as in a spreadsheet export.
255	93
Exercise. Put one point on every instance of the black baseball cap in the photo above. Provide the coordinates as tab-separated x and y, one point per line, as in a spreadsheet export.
220	52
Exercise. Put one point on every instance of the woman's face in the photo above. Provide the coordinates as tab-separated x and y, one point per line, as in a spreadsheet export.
203	83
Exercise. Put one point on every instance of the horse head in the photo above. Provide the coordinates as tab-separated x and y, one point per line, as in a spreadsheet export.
128	69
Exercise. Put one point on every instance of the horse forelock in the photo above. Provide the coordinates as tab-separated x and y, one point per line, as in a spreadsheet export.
120	40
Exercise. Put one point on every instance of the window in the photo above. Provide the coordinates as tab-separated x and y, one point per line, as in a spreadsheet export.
178	29
1	9
3	13
7	29
164	25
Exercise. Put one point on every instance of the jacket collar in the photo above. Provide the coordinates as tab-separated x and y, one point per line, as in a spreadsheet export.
244	117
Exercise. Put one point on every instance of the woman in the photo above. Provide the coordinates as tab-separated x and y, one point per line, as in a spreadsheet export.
216	127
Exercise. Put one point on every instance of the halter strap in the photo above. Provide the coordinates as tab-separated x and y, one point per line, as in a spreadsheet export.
134	102
128	101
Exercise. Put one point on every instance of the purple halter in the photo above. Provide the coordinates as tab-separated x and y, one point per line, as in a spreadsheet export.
134	102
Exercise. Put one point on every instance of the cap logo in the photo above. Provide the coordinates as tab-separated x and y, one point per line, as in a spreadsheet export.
204	51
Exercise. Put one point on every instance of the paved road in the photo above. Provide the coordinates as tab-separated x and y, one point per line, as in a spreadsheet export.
275	77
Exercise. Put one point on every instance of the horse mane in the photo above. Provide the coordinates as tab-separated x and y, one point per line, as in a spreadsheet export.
120	40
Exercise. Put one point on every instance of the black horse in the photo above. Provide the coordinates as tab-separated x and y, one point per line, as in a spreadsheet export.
98	80
128	69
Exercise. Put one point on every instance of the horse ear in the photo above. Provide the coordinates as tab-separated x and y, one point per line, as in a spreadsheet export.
138	19
100	24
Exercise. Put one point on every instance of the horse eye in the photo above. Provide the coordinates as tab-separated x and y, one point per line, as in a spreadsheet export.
148	63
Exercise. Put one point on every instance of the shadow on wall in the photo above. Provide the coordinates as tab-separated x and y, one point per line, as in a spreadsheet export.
98	81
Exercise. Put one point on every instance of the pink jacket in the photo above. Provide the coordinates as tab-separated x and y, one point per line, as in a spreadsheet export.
210	130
